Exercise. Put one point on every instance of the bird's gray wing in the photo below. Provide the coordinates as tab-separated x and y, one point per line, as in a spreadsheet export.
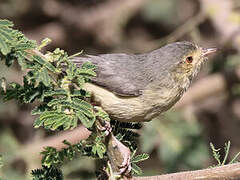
119	73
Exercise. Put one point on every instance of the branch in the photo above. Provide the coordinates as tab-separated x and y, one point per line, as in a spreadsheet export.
185	28
231	171
73	136
96	19
225	19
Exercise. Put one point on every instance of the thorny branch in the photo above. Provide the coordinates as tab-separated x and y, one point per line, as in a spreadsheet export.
231	171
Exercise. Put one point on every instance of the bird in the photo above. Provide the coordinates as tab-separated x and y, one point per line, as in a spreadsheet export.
139	87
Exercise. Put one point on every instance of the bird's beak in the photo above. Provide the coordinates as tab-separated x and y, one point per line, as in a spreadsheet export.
207	51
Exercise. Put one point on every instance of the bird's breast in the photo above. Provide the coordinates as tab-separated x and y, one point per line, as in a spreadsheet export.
140	108
160	100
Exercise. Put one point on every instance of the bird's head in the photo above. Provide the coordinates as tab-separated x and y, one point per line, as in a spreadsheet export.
186	61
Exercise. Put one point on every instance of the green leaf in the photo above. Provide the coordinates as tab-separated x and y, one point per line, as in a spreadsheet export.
12	40
99	148
44	63
216	153
6	34
48	122
80	93
74	123
83	104
102	114
94	150
39	110
71	123
6	23
49	114
80	81
44	77
88	113
39	60
135	169
40	74
234	160
13	92
226	150
50	156
44	43
56	92
66	142
55	102
59	122
85	121
23	46
86	72
47	173
29	96
4	48
37	123
71	71
139	158
88	65
53	120
22	63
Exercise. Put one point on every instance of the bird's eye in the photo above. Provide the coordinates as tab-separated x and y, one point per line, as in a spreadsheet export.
189	59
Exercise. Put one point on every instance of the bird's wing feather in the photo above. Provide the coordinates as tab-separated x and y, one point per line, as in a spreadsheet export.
117	72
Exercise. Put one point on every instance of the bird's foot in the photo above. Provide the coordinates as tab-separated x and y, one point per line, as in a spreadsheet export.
103	123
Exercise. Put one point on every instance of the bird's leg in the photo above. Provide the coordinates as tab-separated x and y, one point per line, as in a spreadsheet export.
118	154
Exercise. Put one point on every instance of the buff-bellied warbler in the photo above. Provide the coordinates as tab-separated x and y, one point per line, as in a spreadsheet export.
140	87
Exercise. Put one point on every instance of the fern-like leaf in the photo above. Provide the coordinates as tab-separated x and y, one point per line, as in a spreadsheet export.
47	173
139	158
12	40
136	169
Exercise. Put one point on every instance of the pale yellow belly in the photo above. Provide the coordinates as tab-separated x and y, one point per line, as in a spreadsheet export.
141	108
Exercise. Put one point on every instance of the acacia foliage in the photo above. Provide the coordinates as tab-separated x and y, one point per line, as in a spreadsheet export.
56	83
51	79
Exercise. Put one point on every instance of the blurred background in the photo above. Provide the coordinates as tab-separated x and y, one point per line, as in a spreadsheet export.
176	141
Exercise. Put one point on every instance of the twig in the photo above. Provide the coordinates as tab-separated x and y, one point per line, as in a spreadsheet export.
231	171
31	152
96	19
73	136
227	172
185	28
